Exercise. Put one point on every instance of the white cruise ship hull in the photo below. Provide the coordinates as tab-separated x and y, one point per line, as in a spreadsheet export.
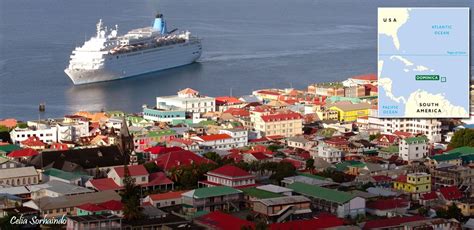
136	63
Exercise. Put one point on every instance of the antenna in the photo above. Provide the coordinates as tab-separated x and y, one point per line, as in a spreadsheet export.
231	91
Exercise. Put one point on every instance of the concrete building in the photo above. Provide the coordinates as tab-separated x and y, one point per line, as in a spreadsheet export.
413	148
164	113
280	208
189	100
282	124
327	153
339	203
239	136
413	183
212	199
349	112
19	176
229	175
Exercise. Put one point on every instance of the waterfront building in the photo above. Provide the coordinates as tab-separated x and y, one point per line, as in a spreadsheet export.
164	113
190	100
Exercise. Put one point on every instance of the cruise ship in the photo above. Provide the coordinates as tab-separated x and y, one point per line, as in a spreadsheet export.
108	56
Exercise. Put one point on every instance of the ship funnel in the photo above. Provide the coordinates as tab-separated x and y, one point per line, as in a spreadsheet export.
159	24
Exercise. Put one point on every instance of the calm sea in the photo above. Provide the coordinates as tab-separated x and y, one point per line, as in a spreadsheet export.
247	45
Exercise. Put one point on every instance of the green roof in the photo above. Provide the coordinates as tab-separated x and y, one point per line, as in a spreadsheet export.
321	193
187	121
464	150
412	140
214	191
9	148
200	213
62	174
390	149
343	166
260	194
447	156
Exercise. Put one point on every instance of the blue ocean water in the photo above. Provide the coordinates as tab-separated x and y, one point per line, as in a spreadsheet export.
247	45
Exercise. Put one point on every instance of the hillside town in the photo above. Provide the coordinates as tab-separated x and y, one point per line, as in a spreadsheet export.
276	159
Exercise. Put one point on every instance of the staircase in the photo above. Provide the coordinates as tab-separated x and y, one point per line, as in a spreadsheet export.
285	213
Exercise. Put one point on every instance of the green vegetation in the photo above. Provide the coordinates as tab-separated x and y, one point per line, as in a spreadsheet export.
187	176
4	129
374	136
278	170
452	212
310	165
336	176
328	132
463	137
22	125
131	197
151	167
274	148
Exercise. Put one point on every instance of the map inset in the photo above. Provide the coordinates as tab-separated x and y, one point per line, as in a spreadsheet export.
423	62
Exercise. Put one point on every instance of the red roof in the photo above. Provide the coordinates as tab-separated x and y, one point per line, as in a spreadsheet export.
104	184
268	92
174	159
33	141
451	193
215	137
259	155
219	220
387	138
337	141
158	178
402	134
388	204
402	178
381	178
367	77
231	171
91	207
372	88
27	152
113	205
429	196
238	112
322	222
391	222
296	163
281	117
162	150
167	196
135	170
227	100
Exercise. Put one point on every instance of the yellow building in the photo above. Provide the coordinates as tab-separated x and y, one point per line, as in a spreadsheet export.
415	183
282	124
350	112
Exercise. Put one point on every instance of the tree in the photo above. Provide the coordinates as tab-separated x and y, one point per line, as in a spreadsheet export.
283	169
151	167
310	165
260	225
462	137
4	129
274	148
22	125
374	136
131	197
423	211
452	212
213	156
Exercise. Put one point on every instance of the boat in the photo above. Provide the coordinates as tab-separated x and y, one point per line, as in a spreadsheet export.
107	56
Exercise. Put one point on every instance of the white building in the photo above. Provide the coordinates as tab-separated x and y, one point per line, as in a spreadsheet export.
189	100
49	131
215	142
413	148
327	153
239	136
431	128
